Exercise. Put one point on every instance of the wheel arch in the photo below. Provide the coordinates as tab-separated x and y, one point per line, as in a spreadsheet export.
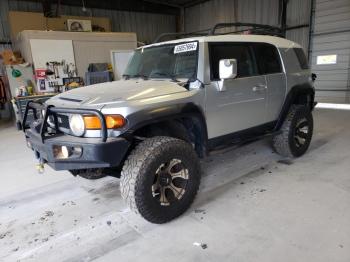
303	94
185	121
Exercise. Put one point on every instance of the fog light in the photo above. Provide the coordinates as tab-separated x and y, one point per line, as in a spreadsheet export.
64	152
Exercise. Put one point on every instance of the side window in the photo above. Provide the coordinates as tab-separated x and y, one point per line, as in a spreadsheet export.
268	59
299	52
241	52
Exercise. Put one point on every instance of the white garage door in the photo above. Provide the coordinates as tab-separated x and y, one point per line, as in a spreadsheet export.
331	50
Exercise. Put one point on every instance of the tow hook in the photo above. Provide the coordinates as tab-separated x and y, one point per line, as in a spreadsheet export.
40	166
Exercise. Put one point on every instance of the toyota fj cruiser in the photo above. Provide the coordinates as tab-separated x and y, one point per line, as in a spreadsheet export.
177	101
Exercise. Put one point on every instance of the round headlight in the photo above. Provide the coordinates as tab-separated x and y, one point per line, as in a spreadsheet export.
77	125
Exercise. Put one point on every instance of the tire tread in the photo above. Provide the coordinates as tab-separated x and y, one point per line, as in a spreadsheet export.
132	169
280	142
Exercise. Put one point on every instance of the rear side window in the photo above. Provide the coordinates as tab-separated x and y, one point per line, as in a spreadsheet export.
268	59
241	52
299	52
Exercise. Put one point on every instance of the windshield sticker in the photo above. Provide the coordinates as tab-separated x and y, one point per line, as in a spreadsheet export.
185	47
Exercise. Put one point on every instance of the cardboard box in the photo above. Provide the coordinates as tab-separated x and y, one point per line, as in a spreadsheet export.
20	21
11	58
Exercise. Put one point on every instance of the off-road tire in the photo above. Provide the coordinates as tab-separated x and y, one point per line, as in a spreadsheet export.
138	172
285	143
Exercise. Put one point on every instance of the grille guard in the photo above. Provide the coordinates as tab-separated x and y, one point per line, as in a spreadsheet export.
51	110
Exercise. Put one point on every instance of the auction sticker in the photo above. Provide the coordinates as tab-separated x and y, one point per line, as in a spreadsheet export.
185	47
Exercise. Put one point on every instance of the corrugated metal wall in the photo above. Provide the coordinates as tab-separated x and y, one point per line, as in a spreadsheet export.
198	17
146	25
209	13
331	36
298	13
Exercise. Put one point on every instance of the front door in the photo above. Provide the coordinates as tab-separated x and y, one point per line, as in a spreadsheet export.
242	103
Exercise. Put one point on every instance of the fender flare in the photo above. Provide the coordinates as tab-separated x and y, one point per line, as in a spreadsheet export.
145	117
292	96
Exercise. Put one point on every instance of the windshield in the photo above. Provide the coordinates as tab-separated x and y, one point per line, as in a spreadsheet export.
166	61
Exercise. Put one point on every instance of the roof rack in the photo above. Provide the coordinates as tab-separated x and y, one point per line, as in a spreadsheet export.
204	32
252	28
259	29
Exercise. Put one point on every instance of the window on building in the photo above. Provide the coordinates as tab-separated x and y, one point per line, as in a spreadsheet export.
326	59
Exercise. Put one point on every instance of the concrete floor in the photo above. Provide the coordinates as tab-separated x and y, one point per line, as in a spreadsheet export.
253	205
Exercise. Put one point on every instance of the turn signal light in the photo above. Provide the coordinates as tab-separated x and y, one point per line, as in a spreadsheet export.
112	122
115	121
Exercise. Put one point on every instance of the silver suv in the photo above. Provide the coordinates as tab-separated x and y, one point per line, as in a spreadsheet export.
178	100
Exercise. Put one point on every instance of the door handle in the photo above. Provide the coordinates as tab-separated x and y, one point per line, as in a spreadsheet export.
259	87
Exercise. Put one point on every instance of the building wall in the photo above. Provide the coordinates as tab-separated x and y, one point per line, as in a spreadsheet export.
146	25
298	13
331	36
202	16
209	13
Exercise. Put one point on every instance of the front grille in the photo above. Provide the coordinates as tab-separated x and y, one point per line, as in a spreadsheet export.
63	121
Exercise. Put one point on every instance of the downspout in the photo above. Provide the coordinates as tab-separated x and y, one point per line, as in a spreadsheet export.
283	9
180	21
311	30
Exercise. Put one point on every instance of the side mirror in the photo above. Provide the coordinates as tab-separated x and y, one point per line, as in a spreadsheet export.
227	68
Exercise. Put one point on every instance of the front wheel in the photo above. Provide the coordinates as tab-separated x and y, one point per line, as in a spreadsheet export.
160	178
296	132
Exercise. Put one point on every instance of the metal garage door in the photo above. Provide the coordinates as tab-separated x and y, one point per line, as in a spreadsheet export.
331	50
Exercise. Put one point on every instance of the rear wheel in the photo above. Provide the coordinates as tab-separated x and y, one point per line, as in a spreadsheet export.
296	132
160	178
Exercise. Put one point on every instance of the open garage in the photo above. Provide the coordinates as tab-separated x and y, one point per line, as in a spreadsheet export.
177	130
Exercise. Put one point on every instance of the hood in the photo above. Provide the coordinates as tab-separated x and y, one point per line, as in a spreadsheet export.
96	96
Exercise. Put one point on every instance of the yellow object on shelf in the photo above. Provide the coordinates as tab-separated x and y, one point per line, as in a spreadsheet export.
74	85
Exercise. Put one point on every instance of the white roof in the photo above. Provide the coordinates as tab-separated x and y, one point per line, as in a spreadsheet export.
276	41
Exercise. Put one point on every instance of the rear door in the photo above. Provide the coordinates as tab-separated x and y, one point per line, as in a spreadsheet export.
270	66
242	104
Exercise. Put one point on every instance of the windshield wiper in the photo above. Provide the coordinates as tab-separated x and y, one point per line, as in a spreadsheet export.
127	77
172	77
144	77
